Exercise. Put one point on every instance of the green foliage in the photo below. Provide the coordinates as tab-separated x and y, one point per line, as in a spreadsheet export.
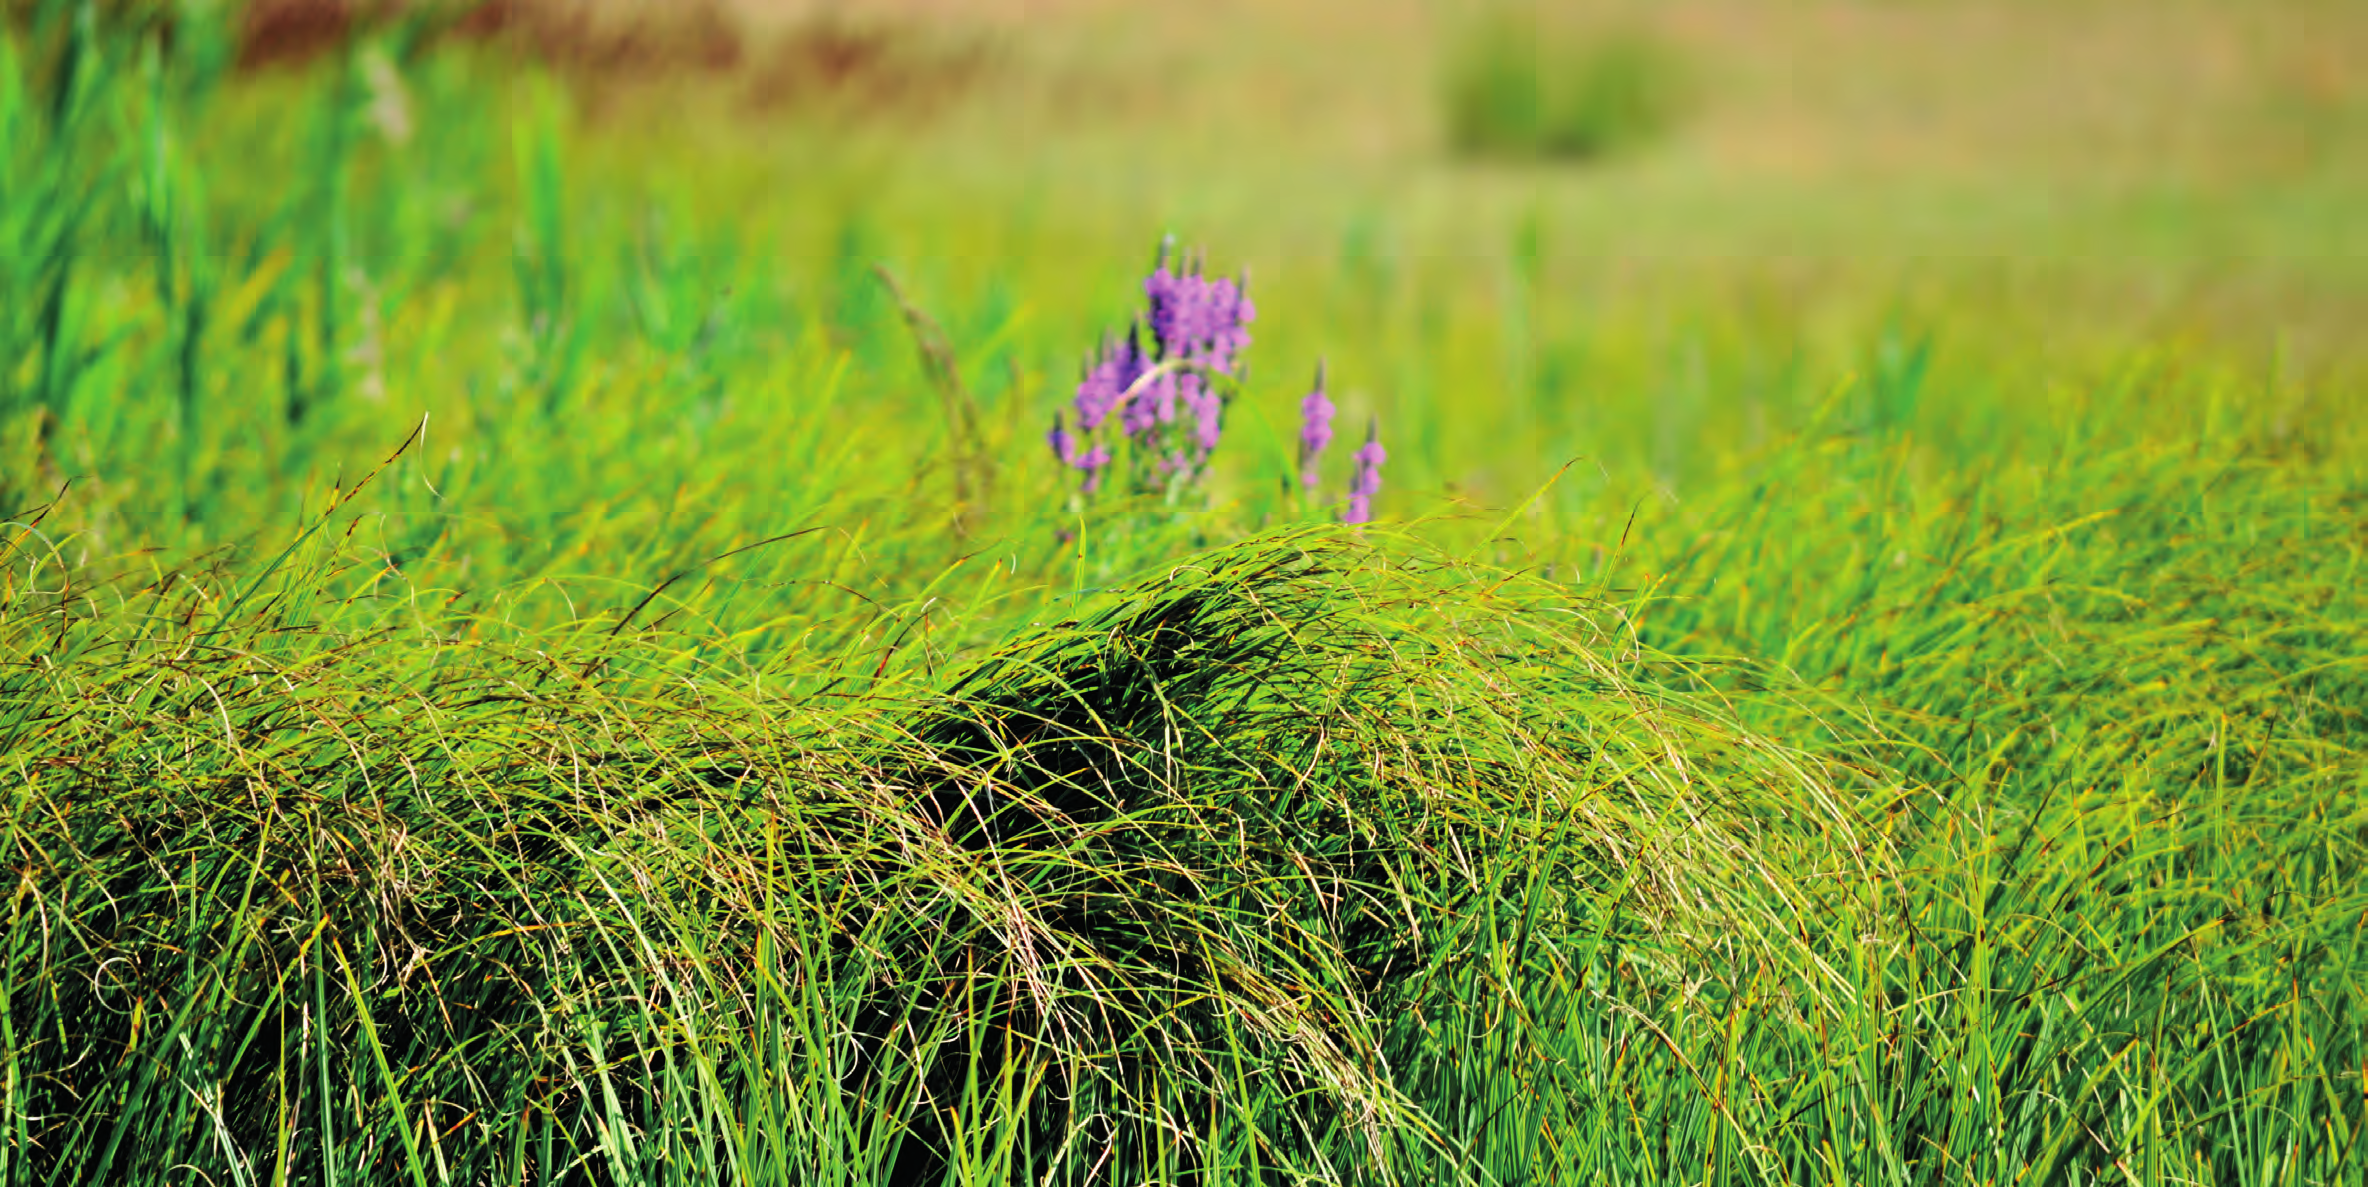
1518	86
2127	684
704	750
1229	875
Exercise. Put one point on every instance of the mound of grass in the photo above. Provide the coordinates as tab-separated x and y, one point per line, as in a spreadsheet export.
1290	861
1306	858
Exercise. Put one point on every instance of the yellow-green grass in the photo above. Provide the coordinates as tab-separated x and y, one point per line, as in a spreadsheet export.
512	673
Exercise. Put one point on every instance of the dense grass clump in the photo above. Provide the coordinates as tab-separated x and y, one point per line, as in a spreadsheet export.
1290	861
2127	686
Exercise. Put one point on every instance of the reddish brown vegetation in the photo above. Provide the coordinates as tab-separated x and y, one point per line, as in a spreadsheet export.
694	37
826	63
869	67
274	32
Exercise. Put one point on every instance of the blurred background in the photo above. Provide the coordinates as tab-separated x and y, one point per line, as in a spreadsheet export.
1657	236
2127	140
2173	170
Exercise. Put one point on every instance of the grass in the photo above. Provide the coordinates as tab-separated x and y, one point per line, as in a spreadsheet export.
526	656
1519	86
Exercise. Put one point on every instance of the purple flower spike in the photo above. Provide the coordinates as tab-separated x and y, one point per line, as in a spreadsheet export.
1150	407
1199	320
1173	311
1367	482
1229	312
1168	391
1193	332
1315	429
1208	410
1093	463
1115	368
1063	445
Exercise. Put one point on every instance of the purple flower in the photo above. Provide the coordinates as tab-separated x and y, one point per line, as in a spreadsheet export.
1150	408
1175	310
1194	331
1063	445
1315	429
1226	333
1208	410
1367	482
1114	369
1202	324
1198	320
1093	463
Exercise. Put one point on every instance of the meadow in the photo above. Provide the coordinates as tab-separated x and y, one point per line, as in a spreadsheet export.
543	637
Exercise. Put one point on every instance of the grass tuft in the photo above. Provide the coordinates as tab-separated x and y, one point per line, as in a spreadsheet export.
1518	85
1224	878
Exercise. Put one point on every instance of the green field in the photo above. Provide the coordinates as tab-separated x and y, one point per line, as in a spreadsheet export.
541	640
